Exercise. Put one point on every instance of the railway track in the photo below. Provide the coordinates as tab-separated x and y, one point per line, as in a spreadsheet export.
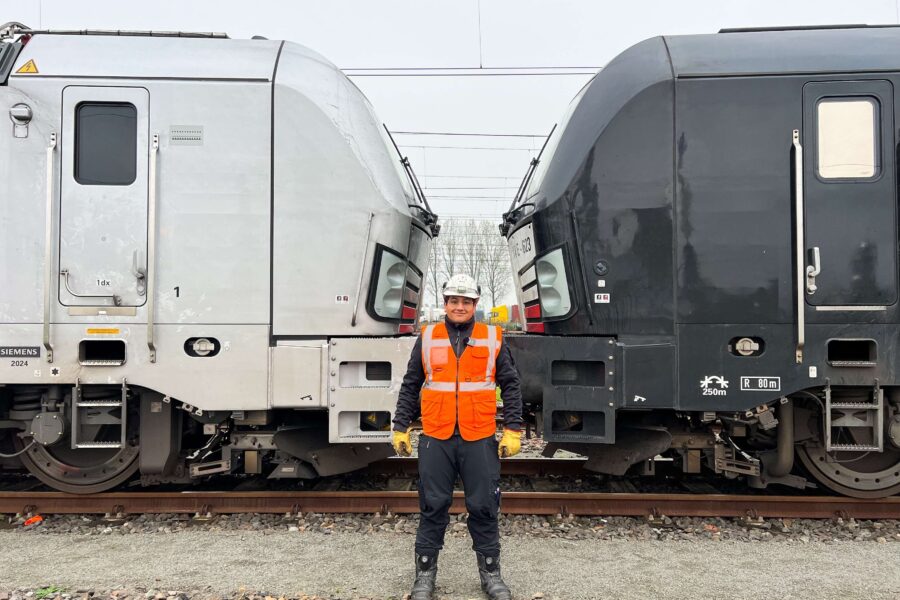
537	467
534	503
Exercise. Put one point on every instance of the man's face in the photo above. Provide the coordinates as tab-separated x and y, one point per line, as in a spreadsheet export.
459	309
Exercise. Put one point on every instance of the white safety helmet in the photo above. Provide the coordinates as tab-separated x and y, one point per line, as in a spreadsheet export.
462	285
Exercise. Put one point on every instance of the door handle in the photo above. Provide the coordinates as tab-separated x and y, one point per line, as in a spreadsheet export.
813	270
140	273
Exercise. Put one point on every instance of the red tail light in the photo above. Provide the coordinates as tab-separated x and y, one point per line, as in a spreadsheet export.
533	311
533	318
409	311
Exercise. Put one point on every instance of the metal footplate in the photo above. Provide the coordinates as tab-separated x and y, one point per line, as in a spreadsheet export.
89	415
855	416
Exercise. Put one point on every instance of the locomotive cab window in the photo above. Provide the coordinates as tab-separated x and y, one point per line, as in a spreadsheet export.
105	143
848	138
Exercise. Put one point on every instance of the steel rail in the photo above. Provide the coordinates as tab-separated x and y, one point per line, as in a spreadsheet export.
535	467
528	503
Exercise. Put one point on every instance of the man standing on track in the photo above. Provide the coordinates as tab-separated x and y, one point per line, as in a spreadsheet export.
457	366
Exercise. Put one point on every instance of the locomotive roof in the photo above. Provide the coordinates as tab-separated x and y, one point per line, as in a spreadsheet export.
655	61
775	52
145	57
148	57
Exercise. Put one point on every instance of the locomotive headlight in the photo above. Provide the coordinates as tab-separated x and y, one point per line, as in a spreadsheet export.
553	285
389	293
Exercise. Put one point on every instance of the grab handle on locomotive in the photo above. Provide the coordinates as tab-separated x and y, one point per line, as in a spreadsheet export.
799	243
150	273
813	270
140	273
116	299
48	244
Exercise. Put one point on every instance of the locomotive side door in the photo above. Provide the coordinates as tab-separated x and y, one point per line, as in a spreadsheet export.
849	195
103	196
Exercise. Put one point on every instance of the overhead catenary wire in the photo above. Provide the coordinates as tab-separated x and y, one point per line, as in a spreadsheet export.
474	216
497	198
445	136
508	68
467	134
516	177
477	187
438	147
348	73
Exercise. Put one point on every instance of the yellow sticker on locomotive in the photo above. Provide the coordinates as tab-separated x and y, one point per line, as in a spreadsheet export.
29	67
103	331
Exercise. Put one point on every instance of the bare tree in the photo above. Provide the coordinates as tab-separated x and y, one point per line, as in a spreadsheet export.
442	262
450	248
496	274
473	243
473	247
435	274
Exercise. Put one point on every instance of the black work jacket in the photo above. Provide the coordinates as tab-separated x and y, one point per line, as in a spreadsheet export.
409	402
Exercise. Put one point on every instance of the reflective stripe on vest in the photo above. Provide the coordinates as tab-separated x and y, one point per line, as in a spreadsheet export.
460	390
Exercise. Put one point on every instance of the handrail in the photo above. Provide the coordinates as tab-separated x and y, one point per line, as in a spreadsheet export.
116	300
151	246
800	244
48	245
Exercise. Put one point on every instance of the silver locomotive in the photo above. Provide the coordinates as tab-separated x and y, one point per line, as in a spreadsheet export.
209	254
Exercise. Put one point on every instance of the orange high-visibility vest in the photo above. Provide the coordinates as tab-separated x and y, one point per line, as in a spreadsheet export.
460	390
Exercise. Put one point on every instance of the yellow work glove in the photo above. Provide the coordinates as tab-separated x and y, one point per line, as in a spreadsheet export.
402	445
510	443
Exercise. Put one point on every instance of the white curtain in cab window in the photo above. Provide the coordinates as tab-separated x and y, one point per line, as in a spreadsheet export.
847	132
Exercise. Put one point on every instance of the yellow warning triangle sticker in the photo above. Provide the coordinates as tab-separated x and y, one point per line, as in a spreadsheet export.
28	67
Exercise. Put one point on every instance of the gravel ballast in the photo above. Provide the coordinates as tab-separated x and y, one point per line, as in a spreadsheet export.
364	556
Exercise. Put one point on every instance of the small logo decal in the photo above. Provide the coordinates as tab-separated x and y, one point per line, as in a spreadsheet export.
601	298
20	351
714	385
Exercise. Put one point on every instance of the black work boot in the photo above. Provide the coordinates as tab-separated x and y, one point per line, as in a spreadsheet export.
426	573
491	582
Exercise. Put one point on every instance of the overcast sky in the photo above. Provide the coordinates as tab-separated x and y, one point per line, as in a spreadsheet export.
509	53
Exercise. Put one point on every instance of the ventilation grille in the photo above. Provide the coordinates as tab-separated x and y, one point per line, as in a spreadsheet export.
186	135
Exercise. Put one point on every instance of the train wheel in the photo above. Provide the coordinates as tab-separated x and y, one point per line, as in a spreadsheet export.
854	474
80	471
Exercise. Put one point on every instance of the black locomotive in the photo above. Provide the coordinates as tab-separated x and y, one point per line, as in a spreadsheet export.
707	257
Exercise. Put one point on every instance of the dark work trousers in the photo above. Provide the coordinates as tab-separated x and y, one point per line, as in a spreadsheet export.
478	465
